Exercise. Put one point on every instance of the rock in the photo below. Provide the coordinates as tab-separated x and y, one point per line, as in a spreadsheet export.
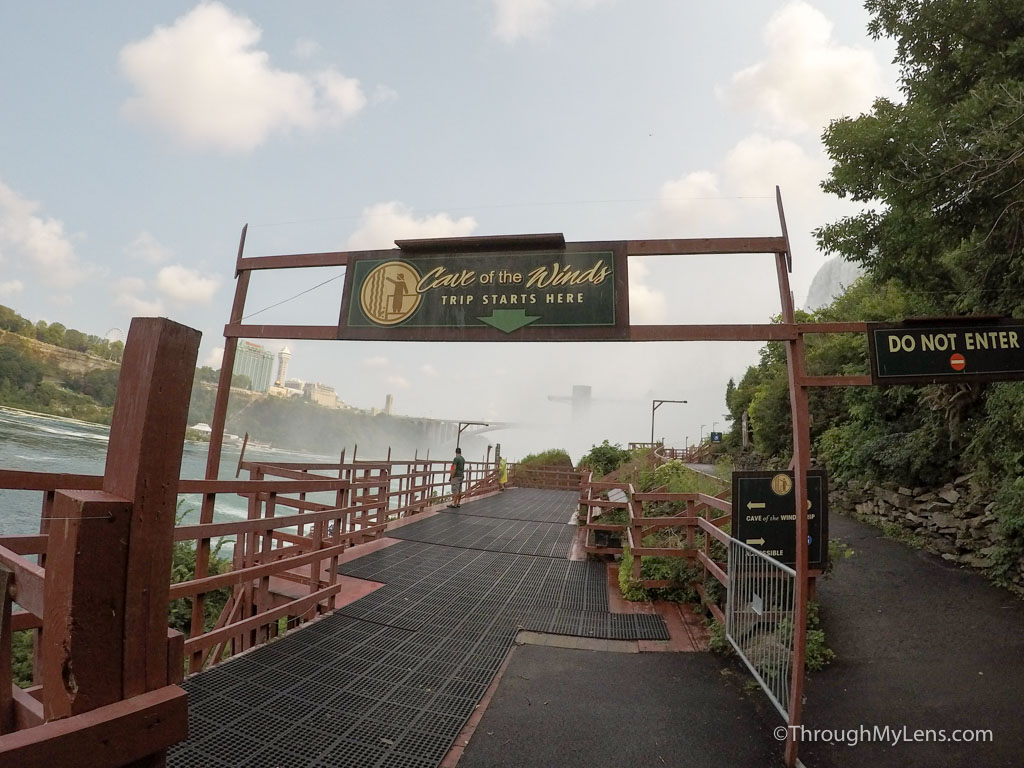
904	491
963	479
923	497
944	520
949	494
913	519
988	551
950	557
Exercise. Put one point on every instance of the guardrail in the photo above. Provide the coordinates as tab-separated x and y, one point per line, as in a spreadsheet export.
759	619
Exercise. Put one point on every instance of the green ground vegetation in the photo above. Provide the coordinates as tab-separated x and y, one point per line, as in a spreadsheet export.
553	457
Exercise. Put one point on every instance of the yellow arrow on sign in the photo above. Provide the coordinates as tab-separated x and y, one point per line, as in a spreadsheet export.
756	541
755	505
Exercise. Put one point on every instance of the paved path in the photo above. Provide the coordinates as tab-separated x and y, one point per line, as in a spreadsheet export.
920	643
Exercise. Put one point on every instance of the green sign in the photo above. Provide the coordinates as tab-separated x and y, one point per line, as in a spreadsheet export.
764	514
510	294
913	353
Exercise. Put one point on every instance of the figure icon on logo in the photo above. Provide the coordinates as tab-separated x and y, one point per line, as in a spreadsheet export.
388	295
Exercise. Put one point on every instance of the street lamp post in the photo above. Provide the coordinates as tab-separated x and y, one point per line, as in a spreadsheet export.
655	405
464	424
702	434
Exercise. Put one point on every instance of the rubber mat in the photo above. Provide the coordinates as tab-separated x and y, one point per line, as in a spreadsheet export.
390	680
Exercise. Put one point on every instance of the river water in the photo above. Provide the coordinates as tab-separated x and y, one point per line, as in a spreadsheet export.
38	443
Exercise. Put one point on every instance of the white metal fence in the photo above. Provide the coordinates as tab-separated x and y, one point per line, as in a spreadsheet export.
759	618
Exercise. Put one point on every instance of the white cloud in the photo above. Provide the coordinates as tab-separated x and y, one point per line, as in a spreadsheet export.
40	241
215	358
186	285
11	288
343	97
806	77
127	292
147	248
384	93
530	19
646	305
305	48
374	363
429	371
398	382
204	81
383	223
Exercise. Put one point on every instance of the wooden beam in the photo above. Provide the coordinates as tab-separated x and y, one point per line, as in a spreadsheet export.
114	735
705	245
315	332
29	581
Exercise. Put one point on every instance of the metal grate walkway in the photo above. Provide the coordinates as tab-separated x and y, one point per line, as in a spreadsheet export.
389	680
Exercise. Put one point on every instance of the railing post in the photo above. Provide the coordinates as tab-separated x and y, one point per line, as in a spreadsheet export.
85	596
6	696
143	465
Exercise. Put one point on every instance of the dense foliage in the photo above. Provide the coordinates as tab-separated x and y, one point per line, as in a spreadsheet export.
553	457
59	336
941	179
605	458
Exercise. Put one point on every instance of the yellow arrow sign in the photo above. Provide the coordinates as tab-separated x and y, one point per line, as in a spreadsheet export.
755	505
756	541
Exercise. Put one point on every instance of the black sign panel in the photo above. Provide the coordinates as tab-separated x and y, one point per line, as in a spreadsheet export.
508	295
763	514
716	437
946	352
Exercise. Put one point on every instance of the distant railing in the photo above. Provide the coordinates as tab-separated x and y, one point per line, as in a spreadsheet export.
550	478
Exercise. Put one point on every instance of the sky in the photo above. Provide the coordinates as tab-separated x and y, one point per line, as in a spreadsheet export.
136	140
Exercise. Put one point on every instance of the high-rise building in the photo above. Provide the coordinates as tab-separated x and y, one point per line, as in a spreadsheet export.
257	363
282	366
389	403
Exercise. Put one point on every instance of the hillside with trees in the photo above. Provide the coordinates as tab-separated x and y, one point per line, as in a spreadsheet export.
941	178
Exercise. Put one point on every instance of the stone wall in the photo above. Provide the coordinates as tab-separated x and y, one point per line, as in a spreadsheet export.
950	521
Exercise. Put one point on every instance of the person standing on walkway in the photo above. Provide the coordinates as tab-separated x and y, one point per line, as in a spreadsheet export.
502	473
458	470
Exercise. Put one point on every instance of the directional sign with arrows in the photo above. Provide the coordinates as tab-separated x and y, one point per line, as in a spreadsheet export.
514	295
764	514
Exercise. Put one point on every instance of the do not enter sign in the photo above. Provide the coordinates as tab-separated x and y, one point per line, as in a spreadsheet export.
957	362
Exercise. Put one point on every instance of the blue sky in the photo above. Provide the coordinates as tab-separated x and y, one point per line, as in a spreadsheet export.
137	138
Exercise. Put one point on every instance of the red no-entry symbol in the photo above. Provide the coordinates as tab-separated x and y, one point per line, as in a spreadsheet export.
957	362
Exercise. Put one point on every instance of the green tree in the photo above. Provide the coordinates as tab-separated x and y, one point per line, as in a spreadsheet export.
940	174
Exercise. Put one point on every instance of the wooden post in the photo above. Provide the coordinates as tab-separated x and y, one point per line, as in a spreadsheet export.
143	465
6	694
84	599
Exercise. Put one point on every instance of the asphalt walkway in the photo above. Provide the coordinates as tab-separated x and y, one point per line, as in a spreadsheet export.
921	644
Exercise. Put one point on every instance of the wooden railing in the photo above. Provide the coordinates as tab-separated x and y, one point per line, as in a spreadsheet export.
702	517
284	566
550	478
105	666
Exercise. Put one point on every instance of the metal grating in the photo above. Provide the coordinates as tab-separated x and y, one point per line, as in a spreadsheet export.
390	680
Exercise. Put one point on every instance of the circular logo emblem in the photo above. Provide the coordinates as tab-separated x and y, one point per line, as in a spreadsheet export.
388	295
957	362
781	484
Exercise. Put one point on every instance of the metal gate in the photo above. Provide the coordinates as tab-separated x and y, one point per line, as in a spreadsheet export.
759	618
